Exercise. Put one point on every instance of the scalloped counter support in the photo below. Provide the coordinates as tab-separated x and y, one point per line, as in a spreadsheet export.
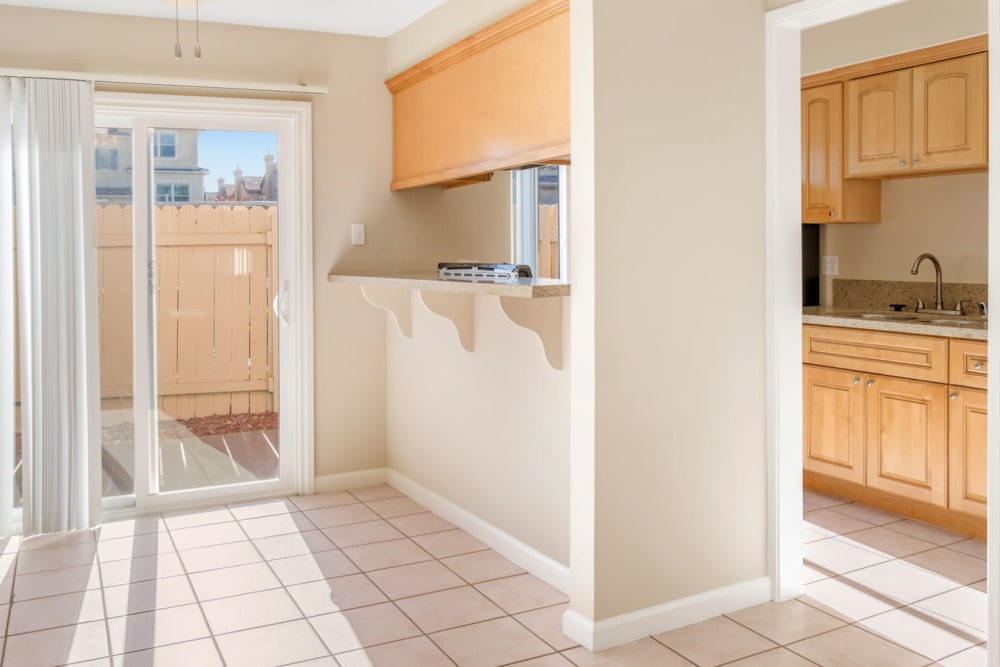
396	302
544	318
459	308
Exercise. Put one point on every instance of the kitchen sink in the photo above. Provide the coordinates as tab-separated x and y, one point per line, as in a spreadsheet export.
953	323
888	317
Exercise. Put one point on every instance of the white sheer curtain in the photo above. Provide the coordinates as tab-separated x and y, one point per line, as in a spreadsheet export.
47	218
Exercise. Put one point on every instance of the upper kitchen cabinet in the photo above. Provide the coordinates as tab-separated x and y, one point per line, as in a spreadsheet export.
928	118
496	100
826	195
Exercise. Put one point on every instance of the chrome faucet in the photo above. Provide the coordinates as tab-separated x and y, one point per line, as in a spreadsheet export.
938	301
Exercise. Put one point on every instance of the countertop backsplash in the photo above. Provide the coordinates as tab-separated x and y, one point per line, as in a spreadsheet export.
878	294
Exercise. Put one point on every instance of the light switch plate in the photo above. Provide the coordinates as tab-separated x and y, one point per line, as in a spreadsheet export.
357	234
830	265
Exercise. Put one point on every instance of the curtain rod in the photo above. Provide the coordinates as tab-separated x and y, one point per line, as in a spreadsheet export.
167	81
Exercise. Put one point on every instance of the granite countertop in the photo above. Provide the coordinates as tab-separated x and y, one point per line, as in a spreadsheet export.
971	327
525	288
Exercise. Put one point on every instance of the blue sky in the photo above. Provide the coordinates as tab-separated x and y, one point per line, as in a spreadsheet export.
221	151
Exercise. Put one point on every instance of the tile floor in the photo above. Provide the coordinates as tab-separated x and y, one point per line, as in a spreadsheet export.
369	577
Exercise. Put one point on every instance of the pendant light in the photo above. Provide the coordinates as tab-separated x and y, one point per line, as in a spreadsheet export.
177	25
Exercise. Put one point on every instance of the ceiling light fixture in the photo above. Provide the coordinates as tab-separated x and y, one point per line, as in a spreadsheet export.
177	24
197	31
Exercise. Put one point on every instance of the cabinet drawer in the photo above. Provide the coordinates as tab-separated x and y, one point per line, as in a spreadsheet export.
899	355
967	364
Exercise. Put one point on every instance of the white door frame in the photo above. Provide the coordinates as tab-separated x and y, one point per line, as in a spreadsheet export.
293	122
784	310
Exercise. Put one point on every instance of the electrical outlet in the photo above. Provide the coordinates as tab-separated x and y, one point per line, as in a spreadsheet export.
357	234
830	265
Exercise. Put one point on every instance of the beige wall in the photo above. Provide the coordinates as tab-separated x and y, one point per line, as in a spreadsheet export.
678	409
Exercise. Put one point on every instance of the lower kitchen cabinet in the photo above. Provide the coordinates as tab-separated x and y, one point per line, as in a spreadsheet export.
967	451
906	438
833	423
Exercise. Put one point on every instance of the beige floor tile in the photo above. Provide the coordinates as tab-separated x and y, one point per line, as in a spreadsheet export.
74	643
926	532
147	596
416	651
56	558
363	627
552	660
870	515
839	557
252	610
57	540
328	661
132	547
811	535
714	641
138	526
497	642
833	522
199	653
778	657
207	536
971	546
313	567
449	609
449	543
416	579
421	524
887	542
973	657
338	594
219	556
237	580
901	581
377	492
362	533
547	623
193	519
98	662
141	569
298	544
956	566
920	633
340	515
282	644
846	600
257	509
156	628
811	574
386	554
482	566
55	611
964	605
814	500
852	647
523	592
57	582
786	622
320	500
979	585
643	653
279	524
393	507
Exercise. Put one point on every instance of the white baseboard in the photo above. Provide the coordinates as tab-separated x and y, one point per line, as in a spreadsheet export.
661	618
350	480
548	570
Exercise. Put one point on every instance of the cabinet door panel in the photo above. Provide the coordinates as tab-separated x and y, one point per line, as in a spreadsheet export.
906	438
967	451
833	423
878	124
822	153
949	114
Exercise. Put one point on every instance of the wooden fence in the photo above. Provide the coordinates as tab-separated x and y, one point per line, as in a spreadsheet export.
548	241
215	335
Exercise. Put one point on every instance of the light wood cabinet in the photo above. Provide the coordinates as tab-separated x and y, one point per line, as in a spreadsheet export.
906	438
833	423
826	195
967	451
928	118
881	352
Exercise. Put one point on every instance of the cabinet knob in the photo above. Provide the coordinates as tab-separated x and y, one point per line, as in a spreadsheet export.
855	381
870	383
916	162
832	213
953	395
978	365
902	163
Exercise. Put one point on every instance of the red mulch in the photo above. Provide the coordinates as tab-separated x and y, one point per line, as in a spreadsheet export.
199	426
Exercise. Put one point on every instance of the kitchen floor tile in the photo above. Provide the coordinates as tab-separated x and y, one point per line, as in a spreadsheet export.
156	628
814	500
363	627
386	554
252	610
415	651
839	557
810	535
56	558
141	569
235	580
449	543
377	492
193	519
971	546
714	642
964	605
312	567
73	643
551	660
870	515
926	532
497	642
340	515
979	585
973	657
198	653
847	600
393	507
207	536
482	566
420	524
449	609
57	540
320	500
57	582
900	580
131	547
279	524
219	556
811	574
887	542
337	594
523	592
296	544
833	522
547	623
850	647
282	644
416	579
642	653
956	566
257	509
786	622
778	657
55	611
362	533
147	596
130	528
920	633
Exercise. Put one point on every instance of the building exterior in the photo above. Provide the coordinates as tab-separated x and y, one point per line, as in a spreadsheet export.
248	188
177	176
